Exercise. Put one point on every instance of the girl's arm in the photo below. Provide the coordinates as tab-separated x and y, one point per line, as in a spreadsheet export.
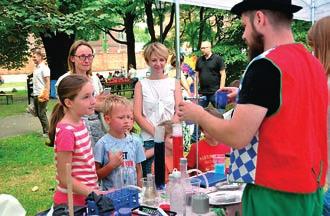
138	115
138	174
115	160
62	159
178	99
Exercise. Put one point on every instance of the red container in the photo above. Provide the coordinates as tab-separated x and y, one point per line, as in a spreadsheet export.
165	206
177	151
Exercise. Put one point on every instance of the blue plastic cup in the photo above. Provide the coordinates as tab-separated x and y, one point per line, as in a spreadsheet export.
221	99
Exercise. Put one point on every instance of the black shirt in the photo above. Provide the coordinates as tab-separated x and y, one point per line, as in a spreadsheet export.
209	73
262	85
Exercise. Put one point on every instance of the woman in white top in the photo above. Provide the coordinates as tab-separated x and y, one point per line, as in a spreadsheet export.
80	60
156	99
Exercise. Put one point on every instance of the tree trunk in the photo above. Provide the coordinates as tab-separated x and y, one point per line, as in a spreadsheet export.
170	23
57	49
150	20
201	27
129	24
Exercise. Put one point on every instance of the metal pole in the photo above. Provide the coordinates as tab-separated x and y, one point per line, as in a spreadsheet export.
177	39
313	11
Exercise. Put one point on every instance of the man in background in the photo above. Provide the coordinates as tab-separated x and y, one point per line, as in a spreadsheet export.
41	85
278	130
210	76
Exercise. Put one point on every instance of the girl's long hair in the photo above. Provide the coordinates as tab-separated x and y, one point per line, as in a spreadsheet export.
318	37
68	88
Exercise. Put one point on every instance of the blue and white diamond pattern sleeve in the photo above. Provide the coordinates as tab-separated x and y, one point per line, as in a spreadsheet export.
243	163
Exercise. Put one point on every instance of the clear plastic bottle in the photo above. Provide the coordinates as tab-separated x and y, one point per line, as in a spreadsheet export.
183	168
177	195
170	183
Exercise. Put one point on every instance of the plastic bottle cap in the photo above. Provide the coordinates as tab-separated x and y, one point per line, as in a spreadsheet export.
176	173
170	176
183	160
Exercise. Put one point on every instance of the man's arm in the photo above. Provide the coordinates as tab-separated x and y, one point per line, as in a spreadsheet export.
237	132
223	78
47	83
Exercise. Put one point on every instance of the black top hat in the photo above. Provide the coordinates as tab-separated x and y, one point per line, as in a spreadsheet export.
279	5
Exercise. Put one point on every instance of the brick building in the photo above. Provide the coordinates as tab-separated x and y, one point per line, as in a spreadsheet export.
109	57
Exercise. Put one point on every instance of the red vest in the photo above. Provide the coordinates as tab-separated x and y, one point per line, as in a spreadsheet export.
292	152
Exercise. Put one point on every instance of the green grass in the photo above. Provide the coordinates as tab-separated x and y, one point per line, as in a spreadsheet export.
25	162
19	105
13	85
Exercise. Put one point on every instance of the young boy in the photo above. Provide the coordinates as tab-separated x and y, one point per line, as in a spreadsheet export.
207	148
118	155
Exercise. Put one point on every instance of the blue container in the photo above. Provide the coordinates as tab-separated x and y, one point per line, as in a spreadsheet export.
124	198
221	99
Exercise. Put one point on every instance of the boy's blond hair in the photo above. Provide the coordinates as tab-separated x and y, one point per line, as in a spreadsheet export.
113	100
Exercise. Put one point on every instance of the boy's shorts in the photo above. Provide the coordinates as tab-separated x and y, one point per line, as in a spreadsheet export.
262	201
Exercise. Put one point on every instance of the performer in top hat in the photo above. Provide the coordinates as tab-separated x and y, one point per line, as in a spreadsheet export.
279	126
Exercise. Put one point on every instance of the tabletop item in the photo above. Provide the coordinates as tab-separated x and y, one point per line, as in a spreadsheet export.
124	198
177	145
200	203
212	177
221	99
219	163
225	197
159	162
191	187
178	196
228	186
149	192
147	210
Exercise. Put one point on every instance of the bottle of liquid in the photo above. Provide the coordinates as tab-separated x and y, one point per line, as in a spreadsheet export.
159	157
149	191
177	145
177	195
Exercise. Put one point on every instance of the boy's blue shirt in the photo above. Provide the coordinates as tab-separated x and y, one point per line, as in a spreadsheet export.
133	153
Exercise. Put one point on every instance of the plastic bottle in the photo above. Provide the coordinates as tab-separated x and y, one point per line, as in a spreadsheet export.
177	195
183	168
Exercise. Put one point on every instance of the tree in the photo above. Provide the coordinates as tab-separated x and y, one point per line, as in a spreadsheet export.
148	5
53	21
114	16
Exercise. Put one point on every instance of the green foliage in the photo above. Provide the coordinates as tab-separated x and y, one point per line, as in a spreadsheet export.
141	35
300	29
19	19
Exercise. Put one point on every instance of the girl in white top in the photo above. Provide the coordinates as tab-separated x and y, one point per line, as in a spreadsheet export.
80	60
156	99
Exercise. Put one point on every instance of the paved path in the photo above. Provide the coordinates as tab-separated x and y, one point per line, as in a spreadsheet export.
19	124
